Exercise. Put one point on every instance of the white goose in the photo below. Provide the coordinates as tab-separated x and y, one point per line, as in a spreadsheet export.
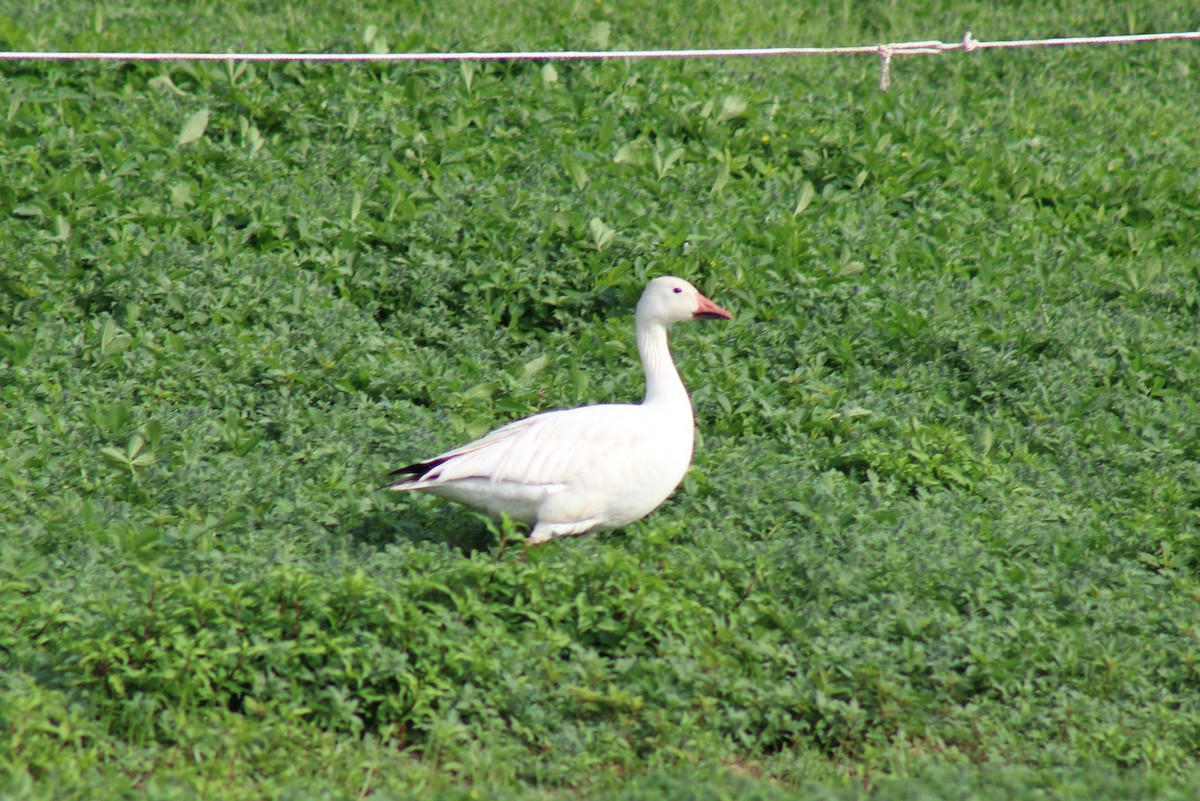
575	471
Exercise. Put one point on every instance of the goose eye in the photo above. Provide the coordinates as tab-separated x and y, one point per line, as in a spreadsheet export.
677	290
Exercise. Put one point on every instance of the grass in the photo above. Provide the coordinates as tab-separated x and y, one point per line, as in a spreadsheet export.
941	535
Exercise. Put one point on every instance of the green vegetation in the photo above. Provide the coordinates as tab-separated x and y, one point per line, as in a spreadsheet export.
942	535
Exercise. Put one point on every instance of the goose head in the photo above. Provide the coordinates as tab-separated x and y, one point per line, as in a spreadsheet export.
669	300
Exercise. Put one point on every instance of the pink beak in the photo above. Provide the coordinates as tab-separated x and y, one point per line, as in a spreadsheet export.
707	310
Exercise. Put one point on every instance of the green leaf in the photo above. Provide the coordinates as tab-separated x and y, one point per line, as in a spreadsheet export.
732	107
807	192
578	174
629	154
115	455
181	194
599	35
193	127
163	83
602	235
723	178
113	339
62	228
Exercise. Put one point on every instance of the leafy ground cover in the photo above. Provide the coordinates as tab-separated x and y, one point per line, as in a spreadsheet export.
940	539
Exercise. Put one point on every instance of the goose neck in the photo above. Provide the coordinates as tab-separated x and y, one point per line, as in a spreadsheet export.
663	384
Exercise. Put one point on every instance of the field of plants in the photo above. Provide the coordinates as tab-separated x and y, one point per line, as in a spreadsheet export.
941	538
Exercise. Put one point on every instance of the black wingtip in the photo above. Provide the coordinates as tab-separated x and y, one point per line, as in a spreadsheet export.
414	471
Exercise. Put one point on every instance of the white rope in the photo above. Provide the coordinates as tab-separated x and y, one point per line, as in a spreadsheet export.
886	52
